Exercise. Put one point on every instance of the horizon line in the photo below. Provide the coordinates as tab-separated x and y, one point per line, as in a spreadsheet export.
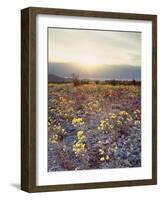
78	63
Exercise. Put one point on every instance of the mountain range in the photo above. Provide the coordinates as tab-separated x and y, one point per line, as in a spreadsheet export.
63	71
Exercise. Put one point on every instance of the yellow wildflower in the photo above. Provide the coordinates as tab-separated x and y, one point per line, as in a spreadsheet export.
111	126
79	148
81	123
80	135
129	118
55	139
123	113
102	121
137	111
119	122
101	151
78	121
112	116
102	158
107	157
103	124
137	122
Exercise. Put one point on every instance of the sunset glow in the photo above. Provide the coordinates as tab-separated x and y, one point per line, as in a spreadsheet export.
89	47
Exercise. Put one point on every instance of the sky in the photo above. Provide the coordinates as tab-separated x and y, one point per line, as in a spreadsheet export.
91	47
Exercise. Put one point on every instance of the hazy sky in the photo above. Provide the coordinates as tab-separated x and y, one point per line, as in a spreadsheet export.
89	47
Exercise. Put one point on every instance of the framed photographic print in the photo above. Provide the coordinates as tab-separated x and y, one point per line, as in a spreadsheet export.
89	99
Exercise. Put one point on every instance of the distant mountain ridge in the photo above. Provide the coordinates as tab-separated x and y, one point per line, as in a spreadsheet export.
52	78
98	72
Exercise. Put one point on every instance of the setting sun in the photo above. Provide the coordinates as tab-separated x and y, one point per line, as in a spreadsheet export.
88	60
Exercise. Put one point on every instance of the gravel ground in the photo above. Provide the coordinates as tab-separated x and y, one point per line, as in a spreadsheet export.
93	127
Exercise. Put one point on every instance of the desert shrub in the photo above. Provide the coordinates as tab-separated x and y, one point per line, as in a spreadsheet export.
75	79
112	82
82	82
97	81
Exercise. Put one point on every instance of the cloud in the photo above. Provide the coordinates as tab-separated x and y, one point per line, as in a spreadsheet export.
104	47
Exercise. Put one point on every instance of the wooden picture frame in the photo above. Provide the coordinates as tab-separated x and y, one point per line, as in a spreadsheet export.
28	98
